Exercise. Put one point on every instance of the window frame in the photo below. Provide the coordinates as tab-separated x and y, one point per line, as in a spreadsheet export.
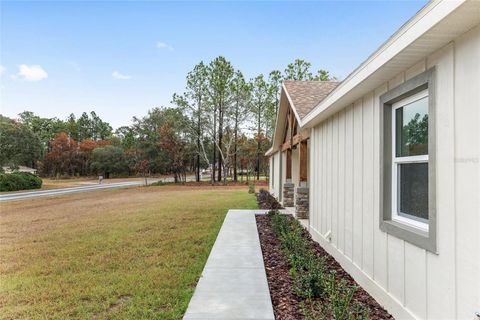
421	237
397	215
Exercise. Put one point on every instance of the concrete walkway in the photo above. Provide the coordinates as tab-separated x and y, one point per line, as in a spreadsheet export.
234	283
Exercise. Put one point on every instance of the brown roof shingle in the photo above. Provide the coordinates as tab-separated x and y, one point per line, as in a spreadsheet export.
306	95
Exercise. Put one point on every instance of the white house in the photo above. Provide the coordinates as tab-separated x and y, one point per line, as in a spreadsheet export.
386	165
8	169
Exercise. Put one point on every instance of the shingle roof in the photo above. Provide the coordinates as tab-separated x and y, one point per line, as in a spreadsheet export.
306	95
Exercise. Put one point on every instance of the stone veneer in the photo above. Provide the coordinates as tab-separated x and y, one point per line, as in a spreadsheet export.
288	194
301	203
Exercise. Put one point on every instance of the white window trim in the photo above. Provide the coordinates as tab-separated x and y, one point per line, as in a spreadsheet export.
402	160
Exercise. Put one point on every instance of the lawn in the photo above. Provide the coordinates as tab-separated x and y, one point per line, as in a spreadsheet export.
132	253
49	183
79	182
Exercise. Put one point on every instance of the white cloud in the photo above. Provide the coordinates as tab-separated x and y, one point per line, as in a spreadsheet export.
31	73
119	76
163	45
2	69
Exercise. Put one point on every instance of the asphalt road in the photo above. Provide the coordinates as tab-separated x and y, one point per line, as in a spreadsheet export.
54	192
93	187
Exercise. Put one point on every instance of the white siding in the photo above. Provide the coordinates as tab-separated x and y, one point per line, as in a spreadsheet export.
275	174
345	166
271	173
467	172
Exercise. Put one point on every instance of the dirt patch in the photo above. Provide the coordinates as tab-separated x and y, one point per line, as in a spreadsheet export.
286	304
114	306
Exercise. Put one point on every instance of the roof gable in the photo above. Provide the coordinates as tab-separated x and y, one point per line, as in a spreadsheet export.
300	97
306	95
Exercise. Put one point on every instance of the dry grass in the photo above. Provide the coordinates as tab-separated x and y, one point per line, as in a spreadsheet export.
78	182
49	183
132	253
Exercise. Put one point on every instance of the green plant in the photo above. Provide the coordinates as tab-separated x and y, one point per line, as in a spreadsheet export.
19	181
30	180
340	304
312	310
160	183
251	188
339	298
310	278
272	212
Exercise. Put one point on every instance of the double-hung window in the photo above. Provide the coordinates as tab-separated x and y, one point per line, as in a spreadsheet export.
408	161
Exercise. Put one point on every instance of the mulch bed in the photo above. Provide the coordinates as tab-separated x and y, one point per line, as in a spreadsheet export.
286	304
266	201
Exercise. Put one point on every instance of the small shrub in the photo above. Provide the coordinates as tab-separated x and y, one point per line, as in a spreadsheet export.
160	183
31	181
19	181
310	278
280	226
339	298
10	182
272	212
251	188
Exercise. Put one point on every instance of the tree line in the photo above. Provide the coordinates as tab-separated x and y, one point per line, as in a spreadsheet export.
221	123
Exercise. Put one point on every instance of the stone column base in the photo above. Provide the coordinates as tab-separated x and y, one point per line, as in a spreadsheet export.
302	203
288	194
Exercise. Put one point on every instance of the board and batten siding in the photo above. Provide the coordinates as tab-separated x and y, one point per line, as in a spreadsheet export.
344	191
275	166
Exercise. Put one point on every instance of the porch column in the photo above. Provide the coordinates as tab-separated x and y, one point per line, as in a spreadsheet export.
301	202
289	165
288	186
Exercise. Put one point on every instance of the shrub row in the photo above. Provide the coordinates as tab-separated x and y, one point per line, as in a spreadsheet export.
19	181
160	183
324	296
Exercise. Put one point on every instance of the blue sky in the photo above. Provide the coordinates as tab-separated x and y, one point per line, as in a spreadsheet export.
123	58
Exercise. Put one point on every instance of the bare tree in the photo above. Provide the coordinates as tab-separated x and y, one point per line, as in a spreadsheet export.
220	74
241	95
193	102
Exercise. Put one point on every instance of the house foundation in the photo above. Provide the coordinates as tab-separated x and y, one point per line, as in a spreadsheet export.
301	203
288	194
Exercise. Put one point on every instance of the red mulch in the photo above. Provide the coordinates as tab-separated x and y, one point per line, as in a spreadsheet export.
286	304
266	201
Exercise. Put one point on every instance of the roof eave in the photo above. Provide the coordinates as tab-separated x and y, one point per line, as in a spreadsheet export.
349	90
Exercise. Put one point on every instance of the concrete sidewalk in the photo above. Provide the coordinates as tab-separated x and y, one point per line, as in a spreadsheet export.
233	283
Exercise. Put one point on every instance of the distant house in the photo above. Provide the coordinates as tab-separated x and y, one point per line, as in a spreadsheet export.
20	169
384	166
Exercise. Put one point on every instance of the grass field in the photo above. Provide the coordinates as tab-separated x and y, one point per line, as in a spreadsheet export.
132	253
78	182
49	184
